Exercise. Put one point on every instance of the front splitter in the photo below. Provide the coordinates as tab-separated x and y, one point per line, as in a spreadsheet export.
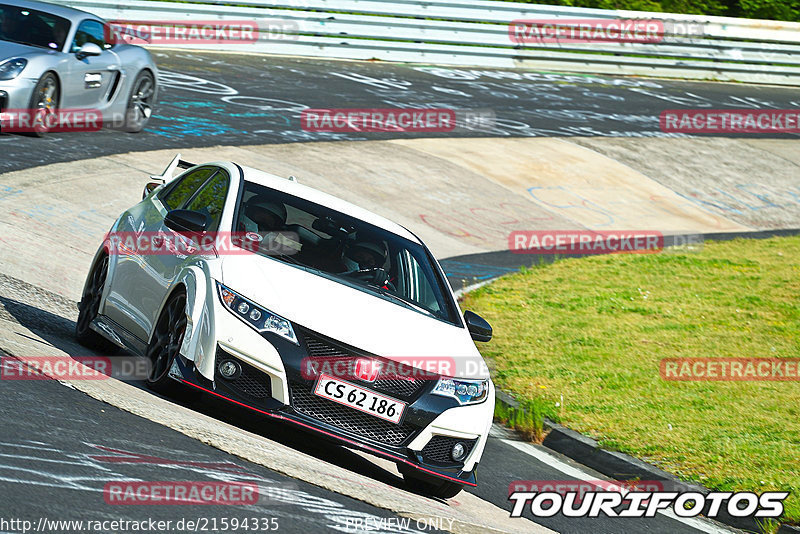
184	372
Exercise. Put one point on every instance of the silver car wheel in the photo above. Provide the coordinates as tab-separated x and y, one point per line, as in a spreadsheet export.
44	103
140	106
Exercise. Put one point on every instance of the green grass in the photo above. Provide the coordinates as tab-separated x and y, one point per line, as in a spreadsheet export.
527	418
593	330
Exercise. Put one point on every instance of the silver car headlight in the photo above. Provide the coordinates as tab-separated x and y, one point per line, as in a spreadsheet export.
259	318
12	68
465	391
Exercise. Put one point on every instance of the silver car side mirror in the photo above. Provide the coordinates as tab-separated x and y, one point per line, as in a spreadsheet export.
88	49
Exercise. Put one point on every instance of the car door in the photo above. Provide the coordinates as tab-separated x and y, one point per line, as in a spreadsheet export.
138	287
177	247
89	79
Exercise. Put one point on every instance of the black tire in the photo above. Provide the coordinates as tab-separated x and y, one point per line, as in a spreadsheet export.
44	102
140	103
429	485
88	308
165	344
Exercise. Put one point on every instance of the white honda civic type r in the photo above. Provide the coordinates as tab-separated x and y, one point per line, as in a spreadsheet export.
299	306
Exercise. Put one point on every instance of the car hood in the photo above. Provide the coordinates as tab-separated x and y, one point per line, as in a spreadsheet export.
350	316
10	50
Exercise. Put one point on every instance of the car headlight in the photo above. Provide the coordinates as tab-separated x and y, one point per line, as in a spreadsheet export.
261	319
12	68
463	390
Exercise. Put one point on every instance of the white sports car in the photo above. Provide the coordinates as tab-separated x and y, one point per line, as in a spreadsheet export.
299	306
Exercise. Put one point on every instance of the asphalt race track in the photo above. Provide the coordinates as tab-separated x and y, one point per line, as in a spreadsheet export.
223	99
59	446
63	447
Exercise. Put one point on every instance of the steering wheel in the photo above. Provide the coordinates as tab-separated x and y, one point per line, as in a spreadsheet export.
375	276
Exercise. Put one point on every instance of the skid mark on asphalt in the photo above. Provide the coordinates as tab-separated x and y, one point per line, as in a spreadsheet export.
525	103
89	472
578	184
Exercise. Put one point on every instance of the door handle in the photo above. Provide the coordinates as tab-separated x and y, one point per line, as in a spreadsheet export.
92	80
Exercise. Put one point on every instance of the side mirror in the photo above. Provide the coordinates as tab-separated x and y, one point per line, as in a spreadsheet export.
187	221
478	328
88	49
149	188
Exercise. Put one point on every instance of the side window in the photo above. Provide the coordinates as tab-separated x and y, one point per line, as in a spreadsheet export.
89	31
416	286
211	199
176	196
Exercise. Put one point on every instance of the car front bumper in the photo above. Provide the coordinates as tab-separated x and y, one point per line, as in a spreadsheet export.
272	383
16	93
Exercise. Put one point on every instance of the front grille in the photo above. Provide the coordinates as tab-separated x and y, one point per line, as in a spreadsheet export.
317	347
251	381
400	387
397	380
438	449
362	424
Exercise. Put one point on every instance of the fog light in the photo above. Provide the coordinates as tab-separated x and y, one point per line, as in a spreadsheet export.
458	452
229	369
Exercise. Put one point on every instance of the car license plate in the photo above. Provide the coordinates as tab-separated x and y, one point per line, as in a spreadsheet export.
359	398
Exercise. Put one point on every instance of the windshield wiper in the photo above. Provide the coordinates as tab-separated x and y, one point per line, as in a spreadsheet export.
397	298
287	258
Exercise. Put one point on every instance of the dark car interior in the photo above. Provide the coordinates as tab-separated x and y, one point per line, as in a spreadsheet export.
350	250
31	27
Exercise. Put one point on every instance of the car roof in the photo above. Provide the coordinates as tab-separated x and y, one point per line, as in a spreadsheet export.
318	197
72	14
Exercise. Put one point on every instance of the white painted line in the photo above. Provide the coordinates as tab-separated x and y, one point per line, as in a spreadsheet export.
573	472
464	290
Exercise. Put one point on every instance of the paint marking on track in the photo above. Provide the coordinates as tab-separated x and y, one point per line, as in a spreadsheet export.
574	472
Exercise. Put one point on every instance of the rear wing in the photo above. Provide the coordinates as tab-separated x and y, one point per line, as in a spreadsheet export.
169	172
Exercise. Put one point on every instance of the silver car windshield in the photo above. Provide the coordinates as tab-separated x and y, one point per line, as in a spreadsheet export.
339	247
32	27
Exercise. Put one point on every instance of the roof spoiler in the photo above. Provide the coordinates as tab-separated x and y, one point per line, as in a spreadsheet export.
168	174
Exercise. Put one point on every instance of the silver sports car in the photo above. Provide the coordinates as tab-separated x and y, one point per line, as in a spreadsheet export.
55	58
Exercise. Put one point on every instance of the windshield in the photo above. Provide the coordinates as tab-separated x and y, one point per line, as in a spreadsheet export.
345	249
32	27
